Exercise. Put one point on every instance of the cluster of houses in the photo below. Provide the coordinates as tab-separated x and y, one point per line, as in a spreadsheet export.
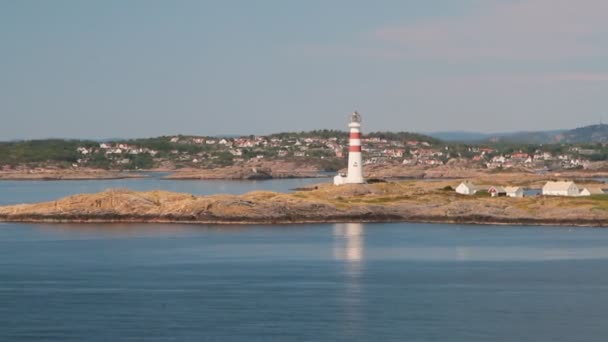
411	152
425	156
108	148
537	160
551	188
468	188
376	151
263	146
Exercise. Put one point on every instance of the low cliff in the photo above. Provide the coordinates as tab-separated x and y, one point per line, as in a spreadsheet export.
65	174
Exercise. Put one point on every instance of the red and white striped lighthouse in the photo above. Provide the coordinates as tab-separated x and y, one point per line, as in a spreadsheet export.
355	161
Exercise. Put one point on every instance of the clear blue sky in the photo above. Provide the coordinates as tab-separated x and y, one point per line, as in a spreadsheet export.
126	68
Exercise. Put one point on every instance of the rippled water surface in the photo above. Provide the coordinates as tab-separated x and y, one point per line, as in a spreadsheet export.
345	282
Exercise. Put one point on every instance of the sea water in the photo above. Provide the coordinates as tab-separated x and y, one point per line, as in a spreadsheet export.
27	191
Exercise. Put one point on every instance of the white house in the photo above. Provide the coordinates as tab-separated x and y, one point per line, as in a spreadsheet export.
499	159
466	188
236	152
596	190
588	191
83	150
561	188
584	192
340	179
514	191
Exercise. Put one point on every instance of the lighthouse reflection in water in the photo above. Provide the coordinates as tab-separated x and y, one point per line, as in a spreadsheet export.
348	242
349	249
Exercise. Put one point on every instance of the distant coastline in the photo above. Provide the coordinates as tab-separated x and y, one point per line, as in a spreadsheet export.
283	170
302	154
65	175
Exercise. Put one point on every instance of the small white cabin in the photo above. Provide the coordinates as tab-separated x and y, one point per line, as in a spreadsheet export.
466	188
592	190
340	179
562	188
514	191
585	192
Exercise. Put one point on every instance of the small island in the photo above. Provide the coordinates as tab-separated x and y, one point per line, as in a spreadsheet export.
403	201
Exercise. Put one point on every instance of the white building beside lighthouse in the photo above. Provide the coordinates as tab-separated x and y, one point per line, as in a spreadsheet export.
355	161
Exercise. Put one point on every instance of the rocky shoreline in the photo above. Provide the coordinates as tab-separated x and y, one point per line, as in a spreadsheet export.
474	220
383	202
264	170
66	175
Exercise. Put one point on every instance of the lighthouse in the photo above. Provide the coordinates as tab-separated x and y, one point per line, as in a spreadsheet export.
355	162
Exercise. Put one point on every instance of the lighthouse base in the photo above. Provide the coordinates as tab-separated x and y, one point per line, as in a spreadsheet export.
339	180
342	179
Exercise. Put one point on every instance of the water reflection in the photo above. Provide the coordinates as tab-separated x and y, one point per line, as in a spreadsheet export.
348	244
349	248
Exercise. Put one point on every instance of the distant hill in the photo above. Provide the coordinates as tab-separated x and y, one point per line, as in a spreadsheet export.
405	136
539	137
330	133
544	137
459	136
586	134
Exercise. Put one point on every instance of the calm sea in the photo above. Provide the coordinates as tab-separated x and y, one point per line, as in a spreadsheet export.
327	282
15	192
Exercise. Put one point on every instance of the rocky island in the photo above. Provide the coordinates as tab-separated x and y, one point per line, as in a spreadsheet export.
406	201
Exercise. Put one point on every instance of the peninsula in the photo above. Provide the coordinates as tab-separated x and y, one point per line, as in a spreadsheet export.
405	201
